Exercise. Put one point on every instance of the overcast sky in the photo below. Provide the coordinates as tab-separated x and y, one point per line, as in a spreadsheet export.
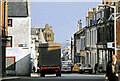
62	16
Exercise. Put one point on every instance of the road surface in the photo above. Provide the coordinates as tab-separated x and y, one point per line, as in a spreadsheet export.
64	77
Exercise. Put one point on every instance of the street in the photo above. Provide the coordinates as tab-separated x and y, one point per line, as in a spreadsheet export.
37	39
64	77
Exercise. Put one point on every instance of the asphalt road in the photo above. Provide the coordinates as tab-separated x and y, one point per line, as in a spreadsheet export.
64	77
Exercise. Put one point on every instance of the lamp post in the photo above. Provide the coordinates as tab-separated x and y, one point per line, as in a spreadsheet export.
114	7
114	25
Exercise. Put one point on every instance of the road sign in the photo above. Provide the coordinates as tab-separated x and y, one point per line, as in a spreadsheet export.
110	45
24	45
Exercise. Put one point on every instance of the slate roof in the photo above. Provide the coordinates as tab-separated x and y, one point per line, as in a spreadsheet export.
33	30
17	9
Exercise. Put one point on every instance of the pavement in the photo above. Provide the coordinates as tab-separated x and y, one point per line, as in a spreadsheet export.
11	78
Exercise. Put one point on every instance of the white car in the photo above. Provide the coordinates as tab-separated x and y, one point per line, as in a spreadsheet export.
66	68
85	68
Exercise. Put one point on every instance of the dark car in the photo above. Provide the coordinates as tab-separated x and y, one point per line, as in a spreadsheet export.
85	68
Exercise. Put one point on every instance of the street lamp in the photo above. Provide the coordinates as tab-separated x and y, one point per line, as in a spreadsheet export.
114	24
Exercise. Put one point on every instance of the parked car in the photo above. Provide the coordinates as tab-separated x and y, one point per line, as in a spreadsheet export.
76	67
66	68
85	68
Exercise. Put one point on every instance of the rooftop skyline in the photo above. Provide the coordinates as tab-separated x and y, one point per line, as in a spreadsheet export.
62	16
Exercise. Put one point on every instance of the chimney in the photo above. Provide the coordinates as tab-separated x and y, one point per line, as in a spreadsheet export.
46	25
51	27
79	25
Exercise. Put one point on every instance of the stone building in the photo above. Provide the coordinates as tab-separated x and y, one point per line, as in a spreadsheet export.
91	40
18	51
79	45
79	42
48	34
72	50
99	32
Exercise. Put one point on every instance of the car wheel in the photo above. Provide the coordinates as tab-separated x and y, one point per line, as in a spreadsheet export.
90	72
80	72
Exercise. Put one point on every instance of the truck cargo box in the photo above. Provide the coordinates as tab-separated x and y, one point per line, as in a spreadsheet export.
49	54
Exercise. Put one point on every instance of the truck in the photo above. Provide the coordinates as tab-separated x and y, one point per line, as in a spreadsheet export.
49	60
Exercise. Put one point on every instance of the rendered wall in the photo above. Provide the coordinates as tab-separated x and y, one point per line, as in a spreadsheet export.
21	35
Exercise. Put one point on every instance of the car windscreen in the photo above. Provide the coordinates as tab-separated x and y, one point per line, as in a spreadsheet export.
83	65
86	65
78	65
66	65
89	65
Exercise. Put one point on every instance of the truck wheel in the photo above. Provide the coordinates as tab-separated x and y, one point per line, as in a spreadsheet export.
42	74
58	74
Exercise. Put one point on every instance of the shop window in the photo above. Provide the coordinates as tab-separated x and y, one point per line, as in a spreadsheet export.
10	63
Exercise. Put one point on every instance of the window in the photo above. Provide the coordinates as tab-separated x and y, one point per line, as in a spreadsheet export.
9	22
9	41
10	63
49	35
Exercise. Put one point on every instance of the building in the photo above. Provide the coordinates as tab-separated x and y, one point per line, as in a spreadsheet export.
79	46
91	37
66	54
36	38
48	34
72	50
89	16
3	34
91	49
99	34
18	51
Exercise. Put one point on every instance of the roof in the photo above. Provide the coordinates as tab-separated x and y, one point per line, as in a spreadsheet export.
80	30
41	29
33	30
17	9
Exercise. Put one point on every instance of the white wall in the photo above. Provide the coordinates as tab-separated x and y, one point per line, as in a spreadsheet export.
78	45
91	42
21	33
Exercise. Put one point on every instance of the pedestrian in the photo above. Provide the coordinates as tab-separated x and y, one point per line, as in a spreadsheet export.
96	68
33	69
112	70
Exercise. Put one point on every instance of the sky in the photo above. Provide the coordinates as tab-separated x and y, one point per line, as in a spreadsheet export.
62	16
